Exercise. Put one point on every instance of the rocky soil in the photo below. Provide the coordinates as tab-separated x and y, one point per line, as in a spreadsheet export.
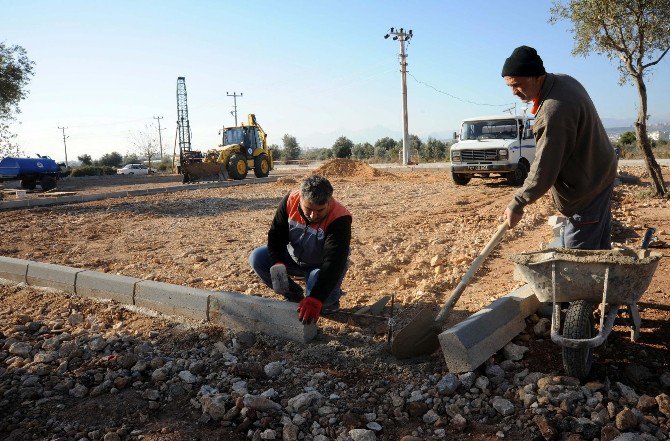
74	368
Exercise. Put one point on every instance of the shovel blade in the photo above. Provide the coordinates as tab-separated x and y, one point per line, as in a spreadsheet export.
418	337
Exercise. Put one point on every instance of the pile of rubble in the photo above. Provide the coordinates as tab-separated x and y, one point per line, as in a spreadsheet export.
62	356
350	168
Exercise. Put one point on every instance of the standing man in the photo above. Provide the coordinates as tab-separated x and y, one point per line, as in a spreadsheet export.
309	237
574	157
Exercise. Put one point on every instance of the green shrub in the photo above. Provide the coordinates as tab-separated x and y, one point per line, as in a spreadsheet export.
93	170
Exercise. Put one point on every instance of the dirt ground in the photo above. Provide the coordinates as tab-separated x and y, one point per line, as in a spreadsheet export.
414	235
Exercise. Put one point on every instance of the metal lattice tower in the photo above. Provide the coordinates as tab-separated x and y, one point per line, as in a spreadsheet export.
183	126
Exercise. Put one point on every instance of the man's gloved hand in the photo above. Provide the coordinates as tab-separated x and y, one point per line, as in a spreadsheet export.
309	310
279	278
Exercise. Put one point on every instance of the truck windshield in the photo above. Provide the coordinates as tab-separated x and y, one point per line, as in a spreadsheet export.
494	129
233	135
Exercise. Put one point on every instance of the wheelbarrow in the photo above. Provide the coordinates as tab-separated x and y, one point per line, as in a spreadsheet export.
583	278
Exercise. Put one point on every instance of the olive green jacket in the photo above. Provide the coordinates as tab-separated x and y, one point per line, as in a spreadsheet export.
574	157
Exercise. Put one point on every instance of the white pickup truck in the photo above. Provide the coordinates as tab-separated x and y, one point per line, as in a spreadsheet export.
489	146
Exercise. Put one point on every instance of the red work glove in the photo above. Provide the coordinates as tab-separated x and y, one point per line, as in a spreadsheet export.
309	310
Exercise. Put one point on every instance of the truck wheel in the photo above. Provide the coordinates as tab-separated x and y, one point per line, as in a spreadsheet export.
578	324
48	183
518	176
261	166
460	179
237	166
28	184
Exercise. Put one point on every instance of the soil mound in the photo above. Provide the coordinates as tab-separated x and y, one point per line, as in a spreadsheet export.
349	168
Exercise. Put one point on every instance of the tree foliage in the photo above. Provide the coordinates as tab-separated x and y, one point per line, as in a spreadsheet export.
113	159
276	152
15	72
8	145
145	143
130	158
85	159
363	150
291	148
636	33
627	138
342	147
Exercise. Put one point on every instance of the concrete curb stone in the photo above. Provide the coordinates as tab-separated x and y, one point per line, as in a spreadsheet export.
13	269
171	299
273	317
53	276
471	342
107	286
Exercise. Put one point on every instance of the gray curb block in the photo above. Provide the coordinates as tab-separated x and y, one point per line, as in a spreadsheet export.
107	286
471	342
13	269
232	310
173	299
29	203
49	275
258	314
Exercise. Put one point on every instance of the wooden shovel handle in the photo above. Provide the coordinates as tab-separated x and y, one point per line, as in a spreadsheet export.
476	264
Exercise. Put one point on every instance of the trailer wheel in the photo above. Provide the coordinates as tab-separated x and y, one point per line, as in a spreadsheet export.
261	165
237	166
578	324
28	184
460	179
48	183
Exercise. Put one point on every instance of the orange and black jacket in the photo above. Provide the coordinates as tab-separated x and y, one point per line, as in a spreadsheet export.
324	245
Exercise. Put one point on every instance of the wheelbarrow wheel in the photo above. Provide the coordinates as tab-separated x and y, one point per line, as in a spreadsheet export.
578	324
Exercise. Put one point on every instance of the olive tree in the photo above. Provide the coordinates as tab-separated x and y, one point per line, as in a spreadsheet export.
85	159
636	33
15	72
291	148
342	147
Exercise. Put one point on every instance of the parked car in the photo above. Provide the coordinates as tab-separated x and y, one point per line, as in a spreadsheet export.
135	169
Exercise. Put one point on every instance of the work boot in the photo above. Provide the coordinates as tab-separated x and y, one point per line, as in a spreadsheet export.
330	309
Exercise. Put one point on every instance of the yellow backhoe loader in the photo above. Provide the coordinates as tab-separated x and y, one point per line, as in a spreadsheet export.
242	149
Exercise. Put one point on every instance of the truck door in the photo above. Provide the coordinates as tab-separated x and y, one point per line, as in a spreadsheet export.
528	141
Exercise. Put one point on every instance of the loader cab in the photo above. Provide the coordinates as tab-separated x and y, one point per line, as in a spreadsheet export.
245	136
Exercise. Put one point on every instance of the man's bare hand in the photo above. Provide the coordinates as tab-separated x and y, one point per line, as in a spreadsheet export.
512	218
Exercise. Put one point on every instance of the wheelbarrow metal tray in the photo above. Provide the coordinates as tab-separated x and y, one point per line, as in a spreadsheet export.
580	274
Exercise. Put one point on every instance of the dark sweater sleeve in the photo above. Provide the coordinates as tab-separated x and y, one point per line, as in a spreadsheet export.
278	234
552	146
335	256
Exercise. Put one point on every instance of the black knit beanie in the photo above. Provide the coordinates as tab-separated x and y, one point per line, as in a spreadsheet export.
524	62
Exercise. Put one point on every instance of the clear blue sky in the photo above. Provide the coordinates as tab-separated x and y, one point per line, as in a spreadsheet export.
312	69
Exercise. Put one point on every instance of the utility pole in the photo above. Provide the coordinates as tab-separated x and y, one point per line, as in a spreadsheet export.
234	112
65	145
402	36
160	139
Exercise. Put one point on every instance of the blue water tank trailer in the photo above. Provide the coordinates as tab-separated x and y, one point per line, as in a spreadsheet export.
30	171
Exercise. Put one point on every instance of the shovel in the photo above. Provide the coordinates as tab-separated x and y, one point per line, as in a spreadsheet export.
419	337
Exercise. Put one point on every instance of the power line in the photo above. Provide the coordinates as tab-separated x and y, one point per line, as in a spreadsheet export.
455	97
